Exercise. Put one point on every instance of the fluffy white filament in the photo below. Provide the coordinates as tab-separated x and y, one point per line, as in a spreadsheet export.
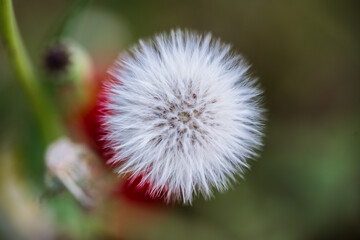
184	115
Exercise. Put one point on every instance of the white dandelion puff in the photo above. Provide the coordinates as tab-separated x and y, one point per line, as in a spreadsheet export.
184	114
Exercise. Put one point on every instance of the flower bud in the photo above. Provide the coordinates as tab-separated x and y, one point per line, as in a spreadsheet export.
71	69
76	168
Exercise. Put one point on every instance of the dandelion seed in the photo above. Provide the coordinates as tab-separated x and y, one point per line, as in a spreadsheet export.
184	114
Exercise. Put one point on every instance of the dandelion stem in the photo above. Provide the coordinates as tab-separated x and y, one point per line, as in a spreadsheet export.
44	112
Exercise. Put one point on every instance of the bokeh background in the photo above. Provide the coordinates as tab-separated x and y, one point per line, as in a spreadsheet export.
305	184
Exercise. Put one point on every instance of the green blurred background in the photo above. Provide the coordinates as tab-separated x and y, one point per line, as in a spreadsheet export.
306	53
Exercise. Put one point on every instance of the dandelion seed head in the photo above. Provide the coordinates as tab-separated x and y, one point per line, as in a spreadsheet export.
184	113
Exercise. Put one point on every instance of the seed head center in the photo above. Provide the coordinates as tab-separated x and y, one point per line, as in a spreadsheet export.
184	117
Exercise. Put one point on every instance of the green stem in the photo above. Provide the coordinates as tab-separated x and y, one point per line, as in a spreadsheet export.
44	111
